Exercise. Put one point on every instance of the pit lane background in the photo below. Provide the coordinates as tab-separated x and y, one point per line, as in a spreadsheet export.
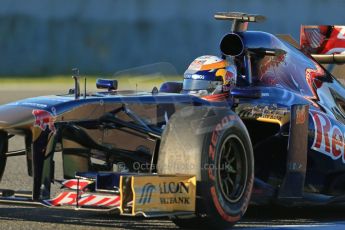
45	37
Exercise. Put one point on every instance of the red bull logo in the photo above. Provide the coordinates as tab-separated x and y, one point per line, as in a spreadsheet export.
44	119
329	138
301	115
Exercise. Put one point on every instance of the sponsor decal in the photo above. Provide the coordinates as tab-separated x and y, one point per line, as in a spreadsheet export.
328	137
165	188
146	193
174	188
194	76
163	193
301	115
265	113
229	78
34	104
44	119
84	199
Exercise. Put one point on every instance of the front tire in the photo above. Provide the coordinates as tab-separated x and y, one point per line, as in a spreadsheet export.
3	151
216	141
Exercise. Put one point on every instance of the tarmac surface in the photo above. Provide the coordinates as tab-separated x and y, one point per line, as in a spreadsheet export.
15	217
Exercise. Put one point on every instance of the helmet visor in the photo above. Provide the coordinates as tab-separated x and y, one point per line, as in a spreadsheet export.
192	84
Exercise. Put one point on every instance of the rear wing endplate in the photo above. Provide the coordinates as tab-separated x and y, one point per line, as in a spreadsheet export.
326	44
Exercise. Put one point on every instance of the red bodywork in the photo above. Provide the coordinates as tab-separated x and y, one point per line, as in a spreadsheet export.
324	39
44	119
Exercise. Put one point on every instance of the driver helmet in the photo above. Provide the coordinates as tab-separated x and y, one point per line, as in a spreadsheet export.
209	75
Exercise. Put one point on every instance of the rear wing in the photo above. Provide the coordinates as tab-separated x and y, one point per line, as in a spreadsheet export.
325	43
323	39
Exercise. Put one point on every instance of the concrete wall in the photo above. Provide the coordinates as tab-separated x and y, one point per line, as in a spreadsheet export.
105	36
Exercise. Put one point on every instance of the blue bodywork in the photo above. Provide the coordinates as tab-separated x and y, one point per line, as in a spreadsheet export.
278	82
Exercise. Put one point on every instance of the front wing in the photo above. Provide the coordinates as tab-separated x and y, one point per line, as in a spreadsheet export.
149	195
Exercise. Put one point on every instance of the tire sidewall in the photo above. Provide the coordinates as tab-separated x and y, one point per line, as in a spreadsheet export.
217	207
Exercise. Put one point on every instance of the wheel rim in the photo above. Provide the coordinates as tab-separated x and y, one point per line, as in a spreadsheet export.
232	169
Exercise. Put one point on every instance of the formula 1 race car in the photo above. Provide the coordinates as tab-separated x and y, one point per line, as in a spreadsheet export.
276	138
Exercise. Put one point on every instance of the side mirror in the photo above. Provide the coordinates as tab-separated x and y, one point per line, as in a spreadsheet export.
106	84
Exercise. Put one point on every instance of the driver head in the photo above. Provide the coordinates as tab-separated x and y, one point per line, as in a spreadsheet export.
209	75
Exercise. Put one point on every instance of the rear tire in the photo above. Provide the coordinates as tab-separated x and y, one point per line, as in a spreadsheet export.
214	145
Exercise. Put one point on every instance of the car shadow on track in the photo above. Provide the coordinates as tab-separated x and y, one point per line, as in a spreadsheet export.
275	216
86	219
256	217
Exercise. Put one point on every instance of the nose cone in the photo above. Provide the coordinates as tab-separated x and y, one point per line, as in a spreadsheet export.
15	117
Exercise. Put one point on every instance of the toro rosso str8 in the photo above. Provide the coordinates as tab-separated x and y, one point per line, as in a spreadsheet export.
277	137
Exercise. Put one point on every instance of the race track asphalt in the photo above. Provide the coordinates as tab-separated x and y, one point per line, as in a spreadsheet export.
15	217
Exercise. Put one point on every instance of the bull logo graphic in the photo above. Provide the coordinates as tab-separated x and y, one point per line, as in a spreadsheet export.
44	120
146	193
301	115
